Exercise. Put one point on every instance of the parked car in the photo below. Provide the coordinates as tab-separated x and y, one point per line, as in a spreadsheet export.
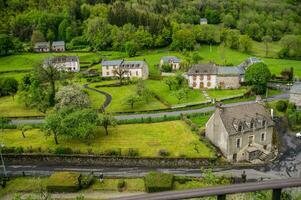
298	135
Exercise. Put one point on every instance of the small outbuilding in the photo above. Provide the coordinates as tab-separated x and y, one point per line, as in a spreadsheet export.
203	21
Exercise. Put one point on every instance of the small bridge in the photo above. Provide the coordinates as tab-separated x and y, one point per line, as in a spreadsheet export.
222	191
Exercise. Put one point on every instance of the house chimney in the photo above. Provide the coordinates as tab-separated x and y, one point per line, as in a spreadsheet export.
218	105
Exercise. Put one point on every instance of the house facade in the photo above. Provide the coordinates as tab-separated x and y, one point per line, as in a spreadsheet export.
242	133
173	61
64	63
42	47
295	95
210	76
203	21
58	46
131	69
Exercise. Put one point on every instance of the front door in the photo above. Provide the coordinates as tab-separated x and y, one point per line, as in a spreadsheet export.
251	140
235	157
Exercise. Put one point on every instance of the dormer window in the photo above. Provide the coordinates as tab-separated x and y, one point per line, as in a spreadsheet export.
239	127
252	125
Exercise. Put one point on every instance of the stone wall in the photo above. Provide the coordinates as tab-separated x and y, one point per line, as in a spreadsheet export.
228	82
101	161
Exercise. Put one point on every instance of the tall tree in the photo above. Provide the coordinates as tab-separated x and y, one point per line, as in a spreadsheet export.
258	75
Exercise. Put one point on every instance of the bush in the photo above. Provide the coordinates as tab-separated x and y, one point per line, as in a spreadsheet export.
163	153
281	105
166	68
86	181
121	185
113	152
63	150
63	182
133	152
157	182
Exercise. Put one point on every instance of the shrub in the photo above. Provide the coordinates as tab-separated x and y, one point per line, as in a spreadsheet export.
121	185
86	181
281	105
156	182
63	150
19	150
113	152
163	153
166	68
63	182
133	152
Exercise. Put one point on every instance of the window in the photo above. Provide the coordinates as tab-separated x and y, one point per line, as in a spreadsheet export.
238	143
264	123
209	84
240	127
194	84
201	77
136	73
107	67
201	85
108	73
208	77
194	78
252	125
262	137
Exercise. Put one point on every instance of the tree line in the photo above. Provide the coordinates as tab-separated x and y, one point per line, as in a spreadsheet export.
133	25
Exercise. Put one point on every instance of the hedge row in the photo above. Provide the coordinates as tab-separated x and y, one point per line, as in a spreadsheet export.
157	182
149	120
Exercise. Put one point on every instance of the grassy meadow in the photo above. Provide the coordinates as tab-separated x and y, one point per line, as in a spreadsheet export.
147	138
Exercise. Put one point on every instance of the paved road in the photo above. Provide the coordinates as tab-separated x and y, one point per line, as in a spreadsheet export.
107	95
160	114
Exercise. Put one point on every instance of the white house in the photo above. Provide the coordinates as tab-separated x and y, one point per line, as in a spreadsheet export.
173	61
58	46
42	47
130	69
202	76
64	63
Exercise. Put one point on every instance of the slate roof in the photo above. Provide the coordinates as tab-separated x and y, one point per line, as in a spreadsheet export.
61	59
202	69
174	59
296	88
203	20
244	115
58	43
230	71
111	62
42	45
133	64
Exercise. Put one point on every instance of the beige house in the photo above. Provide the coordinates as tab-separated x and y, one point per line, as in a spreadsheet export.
242	133
64	63
173	61
210	76
42	47
295	95
131	69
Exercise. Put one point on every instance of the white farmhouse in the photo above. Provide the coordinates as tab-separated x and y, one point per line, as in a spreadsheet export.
131	69
64	63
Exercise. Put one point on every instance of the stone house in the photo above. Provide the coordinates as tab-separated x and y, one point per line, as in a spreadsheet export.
42	47
210	76
64	63
131	69
202	76
203	21
58	46
173	61
242	132
295	95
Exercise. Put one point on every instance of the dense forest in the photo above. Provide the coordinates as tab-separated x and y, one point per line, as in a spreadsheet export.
142	24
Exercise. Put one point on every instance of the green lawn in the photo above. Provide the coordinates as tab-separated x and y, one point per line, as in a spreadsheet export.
132	184
119	96
10	107
200	120
96	99
220	94
147	138
162	90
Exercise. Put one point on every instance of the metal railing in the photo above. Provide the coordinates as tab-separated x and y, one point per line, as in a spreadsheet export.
222	191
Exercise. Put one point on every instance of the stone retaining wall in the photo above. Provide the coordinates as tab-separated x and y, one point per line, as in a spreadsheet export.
102	161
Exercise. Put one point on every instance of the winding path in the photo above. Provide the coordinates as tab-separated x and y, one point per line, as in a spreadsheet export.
107	95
